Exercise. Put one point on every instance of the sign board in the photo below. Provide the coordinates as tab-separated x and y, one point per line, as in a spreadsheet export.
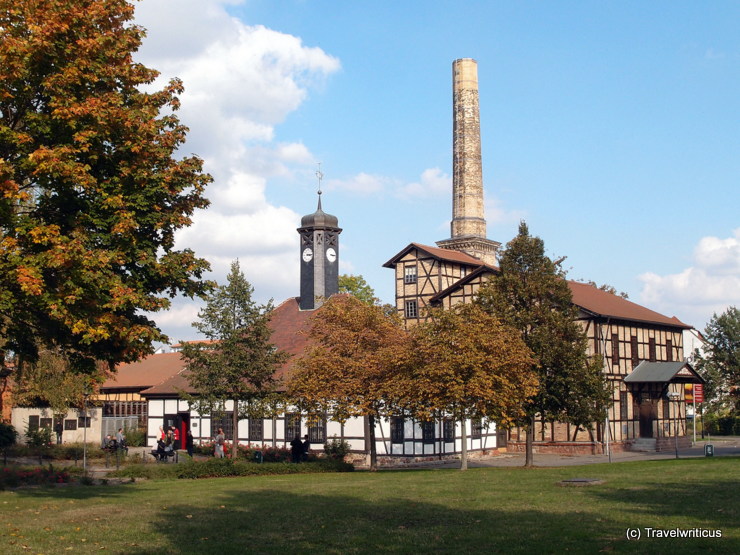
688	392
699	392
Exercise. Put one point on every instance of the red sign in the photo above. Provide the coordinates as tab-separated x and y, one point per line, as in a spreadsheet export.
699	392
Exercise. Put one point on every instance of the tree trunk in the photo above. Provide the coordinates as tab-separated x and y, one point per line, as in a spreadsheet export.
235	426
464	448
529	456
373	449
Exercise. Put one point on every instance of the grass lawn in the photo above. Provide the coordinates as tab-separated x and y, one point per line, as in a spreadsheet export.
507	510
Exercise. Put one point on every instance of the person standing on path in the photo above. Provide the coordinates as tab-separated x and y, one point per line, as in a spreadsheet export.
219	440
296	449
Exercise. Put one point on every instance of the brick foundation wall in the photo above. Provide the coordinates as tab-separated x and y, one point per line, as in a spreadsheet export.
566	447
362	460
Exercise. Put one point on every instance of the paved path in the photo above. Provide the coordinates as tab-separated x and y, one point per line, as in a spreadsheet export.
723	447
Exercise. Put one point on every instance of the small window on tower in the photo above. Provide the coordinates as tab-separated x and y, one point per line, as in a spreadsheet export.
412	309
409	274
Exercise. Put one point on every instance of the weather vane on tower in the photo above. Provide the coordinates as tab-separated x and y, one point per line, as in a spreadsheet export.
319	176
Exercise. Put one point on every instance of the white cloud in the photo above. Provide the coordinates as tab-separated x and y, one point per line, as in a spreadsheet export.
709	286
433	182
497	215
240	82
362	184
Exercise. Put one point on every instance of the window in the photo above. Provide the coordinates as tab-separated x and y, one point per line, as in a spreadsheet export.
223	420
666	408
476	428
651	349
615	349
633	348
412	310
33	423
623	408
396	429
83	422
409	274
427	431
70	424
669	350
448	430
317	431
256	429
292	426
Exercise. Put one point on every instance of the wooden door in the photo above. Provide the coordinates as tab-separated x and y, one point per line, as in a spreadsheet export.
647	416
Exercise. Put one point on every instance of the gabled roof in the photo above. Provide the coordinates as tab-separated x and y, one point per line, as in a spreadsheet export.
591	299
480	270
436	252
663	372
607	305
144	373
289	326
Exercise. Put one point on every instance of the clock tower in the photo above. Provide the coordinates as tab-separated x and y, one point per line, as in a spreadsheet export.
319	242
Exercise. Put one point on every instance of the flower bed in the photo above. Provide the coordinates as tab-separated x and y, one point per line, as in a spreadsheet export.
21	476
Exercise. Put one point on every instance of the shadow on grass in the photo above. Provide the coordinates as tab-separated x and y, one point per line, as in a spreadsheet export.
706	503
276	522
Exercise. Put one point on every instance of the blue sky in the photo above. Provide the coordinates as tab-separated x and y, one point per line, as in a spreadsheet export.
610	127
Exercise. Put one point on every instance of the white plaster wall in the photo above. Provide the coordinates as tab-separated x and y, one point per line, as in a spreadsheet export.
19	420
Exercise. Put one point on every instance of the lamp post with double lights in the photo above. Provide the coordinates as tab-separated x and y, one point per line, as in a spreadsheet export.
674	396
85	396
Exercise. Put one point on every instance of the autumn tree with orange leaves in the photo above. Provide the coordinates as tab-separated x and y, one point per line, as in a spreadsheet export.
466	364
91	189
349	370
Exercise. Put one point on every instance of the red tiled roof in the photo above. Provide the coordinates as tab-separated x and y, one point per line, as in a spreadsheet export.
436	252
289	326
145	373
601	303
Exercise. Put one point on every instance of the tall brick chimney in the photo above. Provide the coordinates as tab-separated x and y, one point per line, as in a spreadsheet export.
468	226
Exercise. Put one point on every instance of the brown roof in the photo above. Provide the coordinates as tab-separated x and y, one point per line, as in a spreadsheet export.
289	326
608	305
436	252
144	373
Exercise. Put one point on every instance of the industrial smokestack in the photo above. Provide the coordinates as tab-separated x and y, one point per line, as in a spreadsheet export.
468	226
468	217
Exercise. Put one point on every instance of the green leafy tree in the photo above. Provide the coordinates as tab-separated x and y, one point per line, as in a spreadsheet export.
239	362
51	382
350	369
466	364
719	365
8	437
357	287
91	191
531	295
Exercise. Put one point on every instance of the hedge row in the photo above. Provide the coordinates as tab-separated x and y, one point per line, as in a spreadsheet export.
221	468
723	425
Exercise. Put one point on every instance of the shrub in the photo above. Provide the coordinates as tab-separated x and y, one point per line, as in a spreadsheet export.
22	476
222	468
39	437
722	425
336	448
135	437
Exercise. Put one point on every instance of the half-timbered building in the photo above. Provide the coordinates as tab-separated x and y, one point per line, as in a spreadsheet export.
397	438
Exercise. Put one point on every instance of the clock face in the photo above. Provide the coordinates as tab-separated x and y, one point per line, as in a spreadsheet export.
331	254
307	255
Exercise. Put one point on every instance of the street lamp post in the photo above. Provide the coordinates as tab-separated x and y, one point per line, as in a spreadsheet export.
674	396
85	395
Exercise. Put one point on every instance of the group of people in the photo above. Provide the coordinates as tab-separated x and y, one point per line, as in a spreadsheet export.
299	449
168	441
119	442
